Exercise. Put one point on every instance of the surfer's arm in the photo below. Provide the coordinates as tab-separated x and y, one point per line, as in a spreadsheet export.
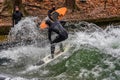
63	22
49	14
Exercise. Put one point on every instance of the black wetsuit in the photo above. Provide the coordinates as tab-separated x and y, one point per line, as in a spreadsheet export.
16	17
49	13
55	26
58	29
62	35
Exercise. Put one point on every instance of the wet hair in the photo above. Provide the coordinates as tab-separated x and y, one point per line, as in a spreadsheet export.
53	5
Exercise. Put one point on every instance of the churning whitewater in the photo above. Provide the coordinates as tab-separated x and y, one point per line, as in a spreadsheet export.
94	53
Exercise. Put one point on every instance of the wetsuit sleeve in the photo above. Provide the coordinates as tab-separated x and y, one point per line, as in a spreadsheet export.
49	14
63	22
13	22
49	34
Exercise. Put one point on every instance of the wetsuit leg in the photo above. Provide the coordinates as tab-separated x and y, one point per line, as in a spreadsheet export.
52	50
61	47
59	39
53	45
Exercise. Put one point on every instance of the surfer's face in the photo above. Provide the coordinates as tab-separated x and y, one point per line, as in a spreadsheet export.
53	7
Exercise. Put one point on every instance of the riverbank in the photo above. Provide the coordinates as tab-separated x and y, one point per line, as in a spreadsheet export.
3	38
91	11
5	27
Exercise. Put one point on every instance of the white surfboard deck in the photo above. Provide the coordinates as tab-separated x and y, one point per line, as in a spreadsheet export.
48	58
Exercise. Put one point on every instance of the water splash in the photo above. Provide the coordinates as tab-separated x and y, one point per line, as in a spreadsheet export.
106	40
26	29
94	41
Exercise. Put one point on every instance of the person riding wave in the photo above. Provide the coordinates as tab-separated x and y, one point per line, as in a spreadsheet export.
55	26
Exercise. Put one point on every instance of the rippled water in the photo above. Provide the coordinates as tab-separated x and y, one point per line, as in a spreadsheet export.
93	54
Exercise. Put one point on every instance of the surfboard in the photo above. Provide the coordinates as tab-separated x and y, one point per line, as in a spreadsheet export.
48	58
61	11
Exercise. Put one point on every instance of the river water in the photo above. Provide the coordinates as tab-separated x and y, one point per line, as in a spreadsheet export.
94	53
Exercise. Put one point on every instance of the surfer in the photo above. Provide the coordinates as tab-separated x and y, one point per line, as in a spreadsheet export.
17	15
55	26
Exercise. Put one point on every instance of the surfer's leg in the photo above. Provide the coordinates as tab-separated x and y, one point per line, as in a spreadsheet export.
58	39
52	49
61	47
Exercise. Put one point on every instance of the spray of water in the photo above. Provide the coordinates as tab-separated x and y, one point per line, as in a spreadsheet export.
84	35
27	29
28	41
105	40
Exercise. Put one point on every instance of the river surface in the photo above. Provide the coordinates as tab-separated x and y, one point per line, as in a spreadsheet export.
94	53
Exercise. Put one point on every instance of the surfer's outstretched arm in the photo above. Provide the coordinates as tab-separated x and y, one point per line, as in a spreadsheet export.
50	11
63	22
49	14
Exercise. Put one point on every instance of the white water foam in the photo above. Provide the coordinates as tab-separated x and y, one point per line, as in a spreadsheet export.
106	41
25	51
